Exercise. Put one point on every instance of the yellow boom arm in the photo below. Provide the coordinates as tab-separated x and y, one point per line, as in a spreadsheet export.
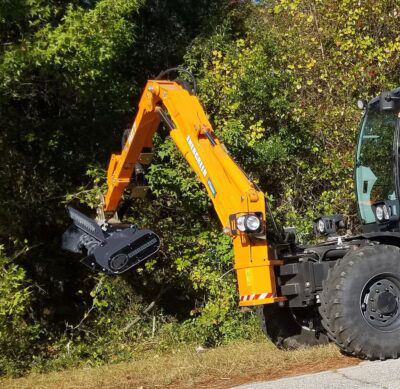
227	185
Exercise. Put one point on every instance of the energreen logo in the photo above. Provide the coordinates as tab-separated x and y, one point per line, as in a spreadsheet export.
196	155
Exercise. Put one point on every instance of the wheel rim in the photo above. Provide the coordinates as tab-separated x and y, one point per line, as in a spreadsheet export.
380	300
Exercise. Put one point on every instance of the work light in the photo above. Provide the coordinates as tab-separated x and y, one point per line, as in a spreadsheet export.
379	213
321	226
240	223
248	223
252	223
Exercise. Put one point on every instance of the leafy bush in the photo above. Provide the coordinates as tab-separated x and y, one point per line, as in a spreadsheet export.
17	333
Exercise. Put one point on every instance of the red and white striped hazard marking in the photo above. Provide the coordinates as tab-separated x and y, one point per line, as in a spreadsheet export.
261	296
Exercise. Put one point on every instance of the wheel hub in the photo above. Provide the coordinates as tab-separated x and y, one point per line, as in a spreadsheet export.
387	303
380	302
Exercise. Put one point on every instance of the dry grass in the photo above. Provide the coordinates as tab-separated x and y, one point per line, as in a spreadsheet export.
218	368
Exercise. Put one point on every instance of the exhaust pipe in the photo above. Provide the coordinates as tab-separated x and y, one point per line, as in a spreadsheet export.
110	248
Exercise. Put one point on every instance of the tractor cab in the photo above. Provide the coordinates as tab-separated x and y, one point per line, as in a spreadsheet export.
377	163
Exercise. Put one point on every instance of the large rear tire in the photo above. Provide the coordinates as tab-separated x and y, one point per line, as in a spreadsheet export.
280	326
360	305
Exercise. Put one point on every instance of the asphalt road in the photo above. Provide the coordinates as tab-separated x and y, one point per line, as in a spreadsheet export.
367	375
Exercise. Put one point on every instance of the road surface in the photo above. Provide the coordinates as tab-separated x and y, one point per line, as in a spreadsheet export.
366	375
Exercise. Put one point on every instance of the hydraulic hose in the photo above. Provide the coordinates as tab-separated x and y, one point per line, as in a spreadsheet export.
178	69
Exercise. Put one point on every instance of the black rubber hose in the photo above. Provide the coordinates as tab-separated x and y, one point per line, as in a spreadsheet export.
178	69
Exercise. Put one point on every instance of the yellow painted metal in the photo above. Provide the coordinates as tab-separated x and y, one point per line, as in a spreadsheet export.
227	185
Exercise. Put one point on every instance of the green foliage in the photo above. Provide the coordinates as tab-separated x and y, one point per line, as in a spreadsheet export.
17	335
107	332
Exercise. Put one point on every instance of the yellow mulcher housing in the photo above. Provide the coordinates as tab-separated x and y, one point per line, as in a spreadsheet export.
346	289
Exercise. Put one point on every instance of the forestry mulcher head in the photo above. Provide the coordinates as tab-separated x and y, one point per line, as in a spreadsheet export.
109	248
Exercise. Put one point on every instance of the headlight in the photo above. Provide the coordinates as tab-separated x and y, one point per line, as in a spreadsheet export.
328	225
386	212
321	226
252	223
361	104
240	223
379	213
